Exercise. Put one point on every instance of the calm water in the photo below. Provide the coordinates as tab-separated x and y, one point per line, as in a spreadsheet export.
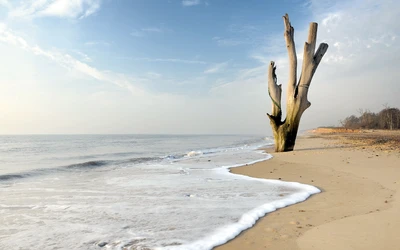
132	191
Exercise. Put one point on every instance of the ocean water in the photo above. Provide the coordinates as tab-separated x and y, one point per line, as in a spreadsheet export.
133	191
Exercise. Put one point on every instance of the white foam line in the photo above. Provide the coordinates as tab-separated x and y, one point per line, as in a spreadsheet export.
247	220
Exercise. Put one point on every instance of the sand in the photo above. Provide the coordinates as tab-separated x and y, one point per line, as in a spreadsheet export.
359	207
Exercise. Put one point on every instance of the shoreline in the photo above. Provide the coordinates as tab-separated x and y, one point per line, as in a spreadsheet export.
357	208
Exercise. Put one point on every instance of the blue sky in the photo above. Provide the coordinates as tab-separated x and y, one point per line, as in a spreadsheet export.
184	66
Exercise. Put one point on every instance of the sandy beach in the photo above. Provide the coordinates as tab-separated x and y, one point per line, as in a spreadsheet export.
359	204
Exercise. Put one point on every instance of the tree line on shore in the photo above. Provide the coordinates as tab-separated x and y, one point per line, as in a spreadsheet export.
387	118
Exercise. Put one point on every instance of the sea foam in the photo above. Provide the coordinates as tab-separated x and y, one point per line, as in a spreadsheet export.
226	233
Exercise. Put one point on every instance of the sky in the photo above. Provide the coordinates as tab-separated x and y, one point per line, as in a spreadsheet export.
186	66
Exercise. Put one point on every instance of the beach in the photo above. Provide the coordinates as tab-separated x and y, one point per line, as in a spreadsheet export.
116	194
359	203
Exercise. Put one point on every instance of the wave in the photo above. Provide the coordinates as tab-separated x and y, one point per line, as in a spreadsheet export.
253	144
7	177
75	167
87	165
142	159
94	164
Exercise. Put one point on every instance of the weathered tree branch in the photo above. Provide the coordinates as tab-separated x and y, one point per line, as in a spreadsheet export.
308	56
311	60
274	90
323	47
291	48
275	93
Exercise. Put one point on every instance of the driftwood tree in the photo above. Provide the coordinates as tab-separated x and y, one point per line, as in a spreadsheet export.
285	132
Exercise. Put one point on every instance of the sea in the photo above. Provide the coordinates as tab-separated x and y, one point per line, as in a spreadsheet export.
133	192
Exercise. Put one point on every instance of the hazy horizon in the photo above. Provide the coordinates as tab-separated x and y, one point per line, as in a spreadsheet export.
186	67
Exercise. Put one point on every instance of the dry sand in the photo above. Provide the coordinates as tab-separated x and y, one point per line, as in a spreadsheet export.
359	207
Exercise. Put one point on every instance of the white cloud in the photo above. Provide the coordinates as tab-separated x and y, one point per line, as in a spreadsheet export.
173	60
153	75
187	3
216	68
148	30
332	19
261	58
56	8
5	3
152	30
94	43
137	33
71	63
228	41
84	56
240	34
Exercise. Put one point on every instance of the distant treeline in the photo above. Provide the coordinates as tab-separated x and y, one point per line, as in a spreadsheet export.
387	118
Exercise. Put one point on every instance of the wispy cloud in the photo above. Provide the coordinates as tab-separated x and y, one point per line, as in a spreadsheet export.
191	81
69	62
188	3
137	33
5	3
216	68
228	41
148	30
173	60
250	80
56	8
84	56
239	34
246	29
94	43
152	30
262	59
351	36
153	75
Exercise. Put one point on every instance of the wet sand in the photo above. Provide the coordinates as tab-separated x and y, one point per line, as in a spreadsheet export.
359	207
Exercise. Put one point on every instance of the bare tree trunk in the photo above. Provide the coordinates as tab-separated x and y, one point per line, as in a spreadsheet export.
285	132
